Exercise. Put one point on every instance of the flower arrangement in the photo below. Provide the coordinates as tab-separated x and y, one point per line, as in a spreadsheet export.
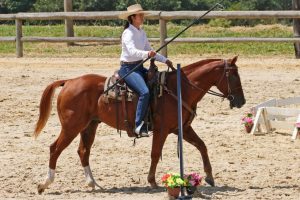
247	120
192	179
172	180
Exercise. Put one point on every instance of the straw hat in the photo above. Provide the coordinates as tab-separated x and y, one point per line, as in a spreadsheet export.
131	10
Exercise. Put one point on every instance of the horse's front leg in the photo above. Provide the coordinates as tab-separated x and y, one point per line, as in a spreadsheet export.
191	137
84	149
157	145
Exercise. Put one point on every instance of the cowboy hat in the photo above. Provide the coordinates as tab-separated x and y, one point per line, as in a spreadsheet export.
131	10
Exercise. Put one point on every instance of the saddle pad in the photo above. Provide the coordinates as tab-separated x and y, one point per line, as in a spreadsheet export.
115	92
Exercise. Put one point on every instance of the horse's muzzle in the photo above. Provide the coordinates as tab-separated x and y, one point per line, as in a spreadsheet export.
237	101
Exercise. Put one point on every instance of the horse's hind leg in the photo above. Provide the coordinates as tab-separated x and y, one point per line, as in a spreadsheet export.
157	146
84	149
64	139
191	137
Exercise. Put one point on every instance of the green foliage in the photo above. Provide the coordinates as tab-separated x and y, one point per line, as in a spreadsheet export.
48	6
14	6
94	5
220	23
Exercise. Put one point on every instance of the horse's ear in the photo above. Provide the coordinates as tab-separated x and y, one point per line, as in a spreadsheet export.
233	61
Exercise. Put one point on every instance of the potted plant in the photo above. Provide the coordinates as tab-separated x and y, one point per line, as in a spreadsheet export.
248	122
172	182
192	181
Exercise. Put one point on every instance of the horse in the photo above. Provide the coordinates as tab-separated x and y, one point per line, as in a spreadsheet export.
81	107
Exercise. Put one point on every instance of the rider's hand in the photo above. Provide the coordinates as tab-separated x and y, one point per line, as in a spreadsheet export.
151	54
170	64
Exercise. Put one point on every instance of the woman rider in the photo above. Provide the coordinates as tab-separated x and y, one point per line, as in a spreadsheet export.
136	48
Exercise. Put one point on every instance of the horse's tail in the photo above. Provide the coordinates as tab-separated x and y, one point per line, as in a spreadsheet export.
45	106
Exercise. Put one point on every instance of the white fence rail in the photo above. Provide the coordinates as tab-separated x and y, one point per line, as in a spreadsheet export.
272	115
162	16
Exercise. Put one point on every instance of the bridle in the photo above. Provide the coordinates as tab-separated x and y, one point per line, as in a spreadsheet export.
226	73
229	96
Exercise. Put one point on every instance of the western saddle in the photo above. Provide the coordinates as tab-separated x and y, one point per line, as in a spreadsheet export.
122	93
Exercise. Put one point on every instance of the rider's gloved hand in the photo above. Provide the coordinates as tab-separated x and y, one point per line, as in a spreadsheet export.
151	54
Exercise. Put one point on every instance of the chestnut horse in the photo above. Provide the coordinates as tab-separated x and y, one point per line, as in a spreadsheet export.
81	107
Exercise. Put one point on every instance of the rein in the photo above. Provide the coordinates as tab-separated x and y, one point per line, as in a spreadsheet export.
230	97
184	104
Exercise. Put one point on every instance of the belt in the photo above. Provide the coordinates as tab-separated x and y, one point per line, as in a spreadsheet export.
131	63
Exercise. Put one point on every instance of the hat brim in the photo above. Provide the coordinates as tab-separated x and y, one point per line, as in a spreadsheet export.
125	15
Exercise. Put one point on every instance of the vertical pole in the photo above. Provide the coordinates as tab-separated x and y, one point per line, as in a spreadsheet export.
180	132
296	6
180	137
69	29
163	36
19	43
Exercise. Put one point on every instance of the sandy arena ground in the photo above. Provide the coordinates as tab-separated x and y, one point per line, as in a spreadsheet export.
244	166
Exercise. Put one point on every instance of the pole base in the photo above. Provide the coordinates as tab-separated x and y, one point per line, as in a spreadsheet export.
185	197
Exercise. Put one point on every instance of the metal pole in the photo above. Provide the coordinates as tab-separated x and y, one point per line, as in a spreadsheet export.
180	133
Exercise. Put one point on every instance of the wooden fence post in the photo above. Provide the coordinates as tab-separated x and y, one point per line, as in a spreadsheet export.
296	6
69	29
19	43
163	36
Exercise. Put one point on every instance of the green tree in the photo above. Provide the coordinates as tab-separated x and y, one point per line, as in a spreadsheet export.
94	5
48	6
15	6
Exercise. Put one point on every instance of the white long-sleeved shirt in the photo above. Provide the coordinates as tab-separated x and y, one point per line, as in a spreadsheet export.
135	46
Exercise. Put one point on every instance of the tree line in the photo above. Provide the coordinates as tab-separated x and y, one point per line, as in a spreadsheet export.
15	6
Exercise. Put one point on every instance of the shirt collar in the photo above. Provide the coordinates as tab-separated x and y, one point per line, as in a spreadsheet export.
134	28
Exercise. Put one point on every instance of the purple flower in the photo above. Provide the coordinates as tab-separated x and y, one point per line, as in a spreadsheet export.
193	179
247	120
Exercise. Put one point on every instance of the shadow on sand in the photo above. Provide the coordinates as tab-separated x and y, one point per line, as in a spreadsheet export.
207	192
125	190
204	192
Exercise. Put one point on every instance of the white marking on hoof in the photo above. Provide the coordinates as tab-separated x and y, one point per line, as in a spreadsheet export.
89	179
49	179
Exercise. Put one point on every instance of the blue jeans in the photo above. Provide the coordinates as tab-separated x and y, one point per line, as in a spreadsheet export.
136	82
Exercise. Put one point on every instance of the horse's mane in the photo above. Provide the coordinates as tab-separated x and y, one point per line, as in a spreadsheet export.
192	67
187	69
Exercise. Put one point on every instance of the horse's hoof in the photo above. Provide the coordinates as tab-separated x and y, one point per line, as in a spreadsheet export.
210	181
91	184
40	189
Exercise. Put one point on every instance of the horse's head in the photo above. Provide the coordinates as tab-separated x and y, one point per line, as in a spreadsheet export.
229	83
